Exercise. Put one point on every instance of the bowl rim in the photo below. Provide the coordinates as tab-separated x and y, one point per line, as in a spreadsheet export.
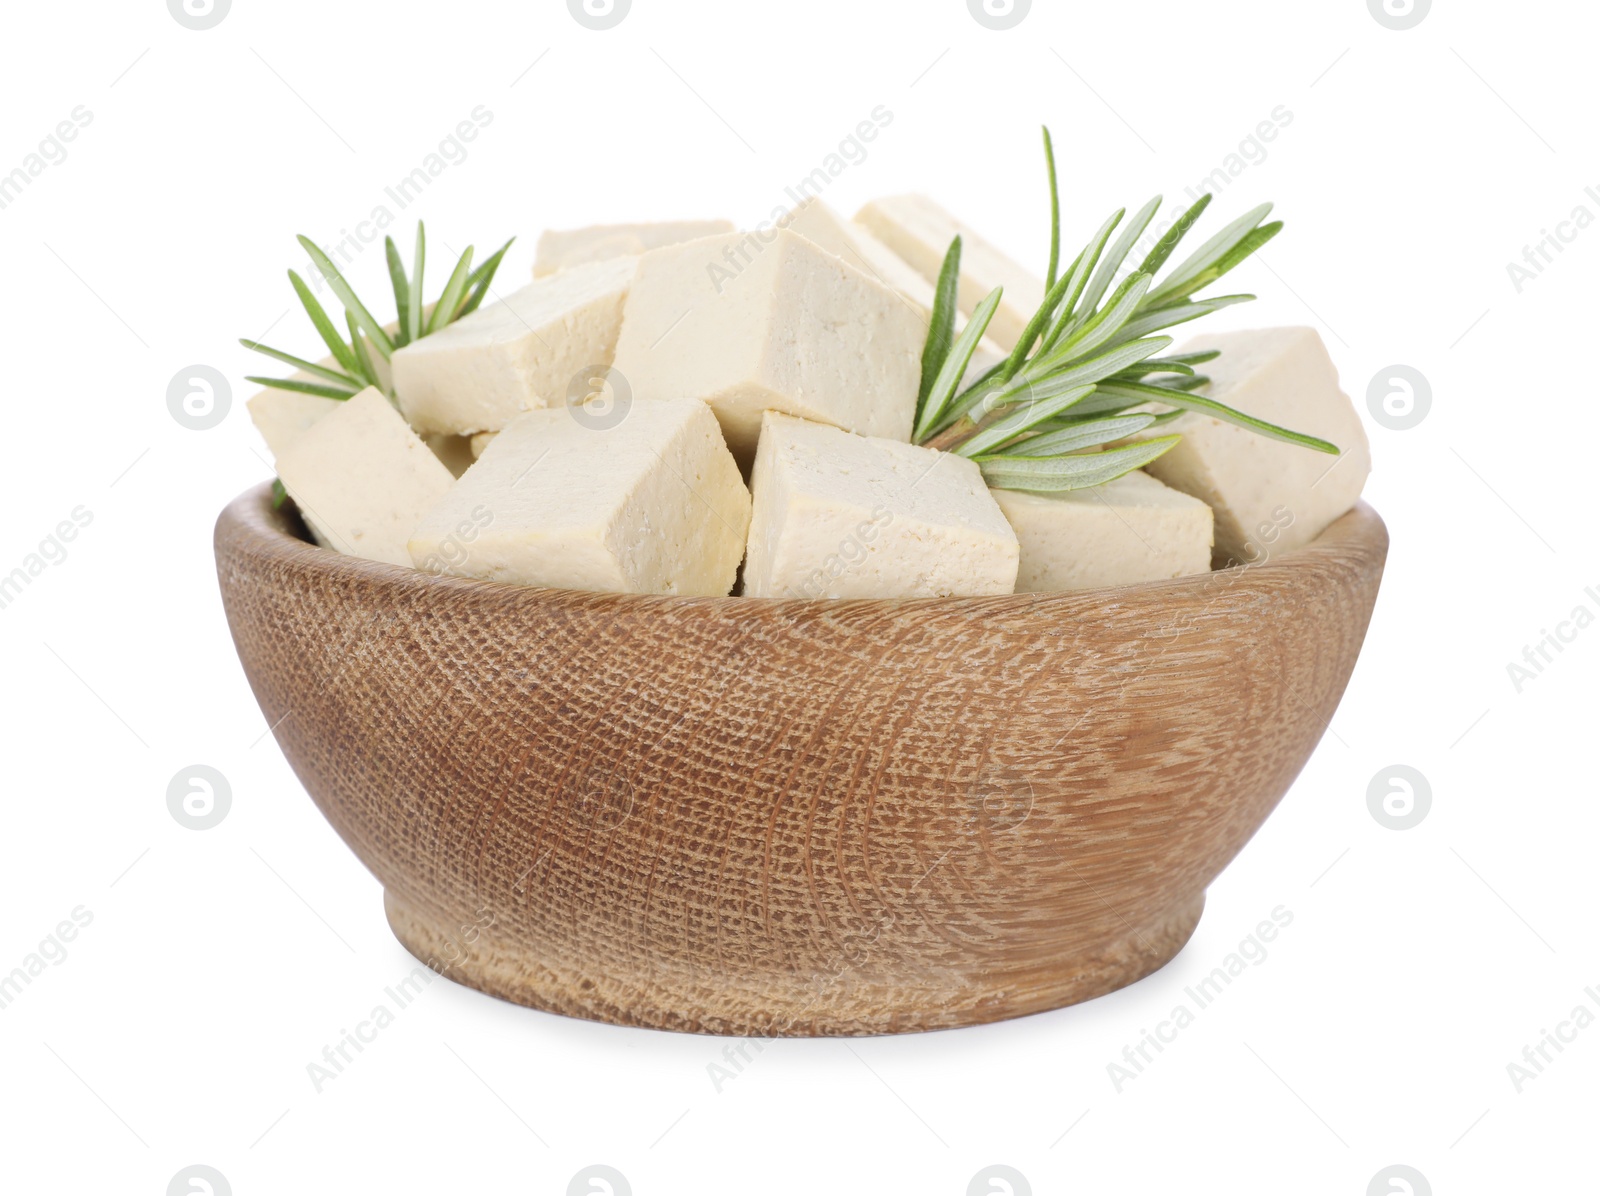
251	524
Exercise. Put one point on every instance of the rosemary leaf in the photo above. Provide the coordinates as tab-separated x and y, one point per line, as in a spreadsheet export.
294	384
1029	390
1108	362
1073	472
1083	434
309	367
480	280
987	384
419	259
984	384
1152	365
1101	404
1158	256
402	292
353	305
489	265
444	310
1032	329
1119	250
1033	387
1251	242
1106	323
1139	392
1014	423
1178	313
941	323
955	363
1055	212
1211	252
1082	266
364	364
325	329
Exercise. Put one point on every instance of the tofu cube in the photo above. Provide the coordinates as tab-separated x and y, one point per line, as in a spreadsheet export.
838	515
1268	496
855	244
561	248
920	231
769	320
281	416
363	479
652	504
519	354
1130	530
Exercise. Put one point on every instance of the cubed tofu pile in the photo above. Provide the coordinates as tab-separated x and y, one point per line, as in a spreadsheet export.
689	409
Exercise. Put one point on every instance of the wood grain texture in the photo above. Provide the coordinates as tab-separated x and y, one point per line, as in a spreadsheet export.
746	816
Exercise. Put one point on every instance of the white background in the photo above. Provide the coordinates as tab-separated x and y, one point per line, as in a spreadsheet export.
1419	964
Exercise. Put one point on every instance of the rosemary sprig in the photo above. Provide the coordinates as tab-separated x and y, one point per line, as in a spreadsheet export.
1086	367
353	368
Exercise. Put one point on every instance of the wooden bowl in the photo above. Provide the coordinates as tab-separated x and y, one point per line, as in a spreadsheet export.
757	817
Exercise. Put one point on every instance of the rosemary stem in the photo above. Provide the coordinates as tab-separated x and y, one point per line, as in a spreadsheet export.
952	436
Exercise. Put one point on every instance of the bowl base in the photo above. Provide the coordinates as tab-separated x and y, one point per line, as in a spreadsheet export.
841	1003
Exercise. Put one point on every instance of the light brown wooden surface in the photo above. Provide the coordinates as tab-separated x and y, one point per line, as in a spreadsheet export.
746	816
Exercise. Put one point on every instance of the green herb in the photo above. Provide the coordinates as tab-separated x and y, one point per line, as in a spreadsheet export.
353	369
1086	367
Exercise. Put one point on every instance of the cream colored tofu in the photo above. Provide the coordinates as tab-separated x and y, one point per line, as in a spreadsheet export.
653	505
480	441
771	321
281	416
1268	496
520	354
363	479
560	248
855	244
838	515
920	231
1130	530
